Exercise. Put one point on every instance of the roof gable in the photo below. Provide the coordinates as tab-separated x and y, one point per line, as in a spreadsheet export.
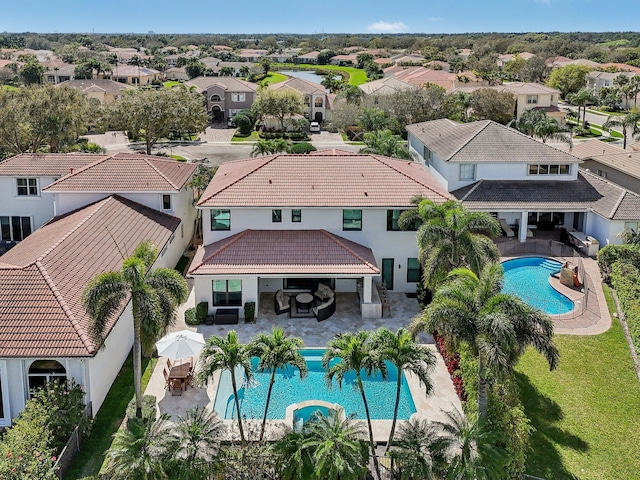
45	164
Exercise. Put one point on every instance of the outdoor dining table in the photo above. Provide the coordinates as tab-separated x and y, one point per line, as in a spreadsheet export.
180	372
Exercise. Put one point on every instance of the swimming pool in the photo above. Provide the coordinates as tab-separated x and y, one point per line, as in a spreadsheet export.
289	389
528	278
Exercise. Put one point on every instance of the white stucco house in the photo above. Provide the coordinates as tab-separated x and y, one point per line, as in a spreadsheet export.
318	103
287	222
493	168
103	211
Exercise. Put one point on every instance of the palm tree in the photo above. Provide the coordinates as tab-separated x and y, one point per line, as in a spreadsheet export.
276	351
419	451
355	354
528	120
332	82
498	327
581	99
338	448
404	353
196	442
154	297
384	142
471	449
451	236
351	93
226	354
294	460
136	61
141	450
550	129
261	147
628	122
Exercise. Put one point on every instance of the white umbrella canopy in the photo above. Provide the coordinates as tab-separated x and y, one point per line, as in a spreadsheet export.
182	344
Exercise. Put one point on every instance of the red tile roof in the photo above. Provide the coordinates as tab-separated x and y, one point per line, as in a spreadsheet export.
324	179
46	164
259	252
126	172
43	277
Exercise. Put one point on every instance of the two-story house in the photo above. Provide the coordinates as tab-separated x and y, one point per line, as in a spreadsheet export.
283	222
317	102
224	96
105	91
611	162
23	205
524	182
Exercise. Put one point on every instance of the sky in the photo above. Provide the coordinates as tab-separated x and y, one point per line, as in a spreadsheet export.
317	16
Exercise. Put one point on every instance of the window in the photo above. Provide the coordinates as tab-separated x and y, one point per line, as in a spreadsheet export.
555	169
216	98
467	171
532	99
15	228
43	371
318	102
237	97
307	100
414	270
166	202
27	187
427	155
227	293
182	230
631	226
220	219
276	216
351	220
296	216
602	173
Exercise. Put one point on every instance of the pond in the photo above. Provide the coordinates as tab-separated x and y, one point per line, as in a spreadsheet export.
308	75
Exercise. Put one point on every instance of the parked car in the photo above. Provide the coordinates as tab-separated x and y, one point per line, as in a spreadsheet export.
314	127
230	123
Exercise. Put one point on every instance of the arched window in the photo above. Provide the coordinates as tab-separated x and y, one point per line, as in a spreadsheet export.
43	371
318	102
215	98
307	100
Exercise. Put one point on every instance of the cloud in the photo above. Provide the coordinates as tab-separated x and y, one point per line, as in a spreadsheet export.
388	27
434	19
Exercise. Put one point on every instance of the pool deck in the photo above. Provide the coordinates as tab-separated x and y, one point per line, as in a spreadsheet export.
315	334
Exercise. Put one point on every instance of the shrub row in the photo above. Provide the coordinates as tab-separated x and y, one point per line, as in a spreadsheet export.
625	278
611	254
296	136
452	362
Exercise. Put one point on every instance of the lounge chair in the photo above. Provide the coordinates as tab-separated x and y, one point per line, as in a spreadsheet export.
506	228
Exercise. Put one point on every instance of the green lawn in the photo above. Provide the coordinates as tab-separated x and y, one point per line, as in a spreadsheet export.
586	414
254	137
274	77
355	76
8	87
171	83
108	420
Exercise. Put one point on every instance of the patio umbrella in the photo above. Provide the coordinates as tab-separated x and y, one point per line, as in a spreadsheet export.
177	345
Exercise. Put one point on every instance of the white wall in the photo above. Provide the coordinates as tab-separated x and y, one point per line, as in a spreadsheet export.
604	230
398	245
39	208
204	291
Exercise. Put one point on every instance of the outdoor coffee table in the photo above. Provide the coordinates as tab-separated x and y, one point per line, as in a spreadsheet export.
304	300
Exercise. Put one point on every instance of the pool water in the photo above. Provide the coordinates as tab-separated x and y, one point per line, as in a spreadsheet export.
289	388
528	278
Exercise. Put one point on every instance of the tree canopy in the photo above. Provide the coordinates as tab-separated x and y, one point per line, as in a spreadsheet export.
278	103
569	79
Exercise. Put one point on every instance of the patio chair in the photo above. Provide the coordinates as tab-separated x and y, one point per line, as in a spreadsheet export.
169	364
167	382
176	387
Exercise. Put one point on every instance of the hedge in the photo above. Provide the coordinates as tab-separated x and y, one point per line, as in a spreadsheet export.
202	310
612	253
626	280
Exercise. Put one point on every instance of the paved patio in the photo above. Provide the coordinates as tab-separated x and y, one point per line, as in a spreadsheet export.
315	334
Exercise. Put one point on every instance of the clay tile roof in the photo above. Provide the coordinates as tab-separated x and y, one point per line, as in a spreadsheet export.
593	148
46	164
254	252
324	179
230	84
43	277
483	141
299	85
126	172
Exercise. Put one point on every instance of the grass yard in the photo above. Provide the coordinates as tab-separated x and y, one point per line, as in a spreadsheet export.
355	76
89	460
274	77
171	83
586	414
254	137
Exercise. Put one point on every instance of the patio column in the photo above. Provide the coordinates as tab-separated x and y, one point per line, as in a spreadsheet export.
367	283
524	223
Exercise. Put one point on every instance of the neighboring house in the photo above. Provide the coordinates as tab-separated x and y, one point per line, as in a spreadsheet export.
176	73
598	80
560	61
132	75
344	60
252	54
438	65
105	91
23	206
286	55
330	216
609	161
311	57
408	59
384	86
44	329
237	67
58	72
225	96
529	96
497	169
317	101
506	58
421	76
